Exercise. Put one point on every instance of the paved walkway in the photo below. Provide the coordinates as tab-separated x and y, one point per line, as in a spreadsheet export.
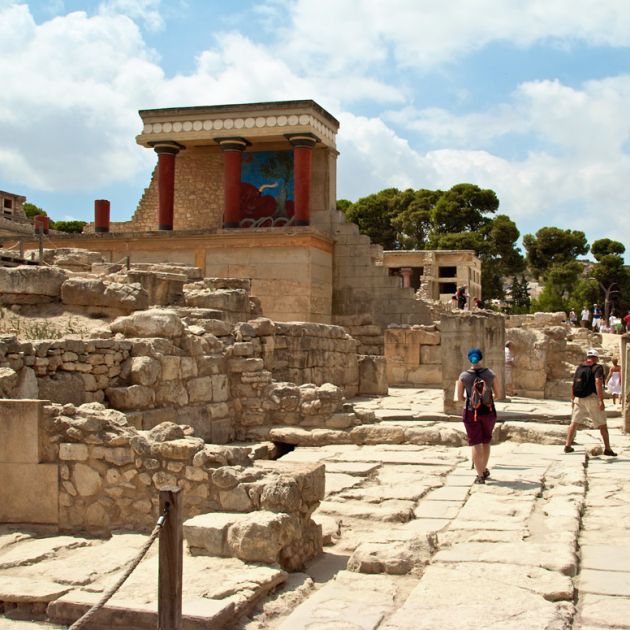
411	542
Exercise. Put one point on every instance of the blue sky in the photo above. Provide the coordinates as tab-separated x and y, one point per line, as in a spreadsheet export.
531	99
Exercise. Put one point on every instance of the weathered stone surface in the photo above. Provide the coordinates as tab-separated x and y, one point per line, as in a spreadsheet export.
96	292
144	370
372	375
259	536
130	398
63	388
87	481
165	432
30	285
150	323
208	532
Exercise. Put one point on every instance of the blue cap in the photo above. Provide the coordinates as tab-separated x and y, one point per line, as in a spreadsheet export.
475	355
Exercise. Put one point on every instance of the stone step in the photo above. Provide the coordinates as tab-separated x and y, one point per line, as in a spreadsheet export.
197	613
252	536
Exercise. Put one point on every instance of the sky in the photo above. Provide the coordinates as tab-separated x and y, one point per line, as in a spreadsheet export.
530	98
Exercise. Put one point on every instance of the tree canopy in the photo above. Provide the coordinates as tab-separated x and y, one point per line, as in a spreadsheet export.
459	218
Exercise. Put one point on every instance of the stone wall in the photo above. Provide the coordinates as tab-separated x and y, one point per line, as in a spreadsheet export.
360	286
413	355
198	202
459	332
316	353
102	474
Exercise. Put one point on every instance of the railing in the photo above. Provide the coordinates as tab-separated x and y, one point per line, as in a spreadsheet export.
169	529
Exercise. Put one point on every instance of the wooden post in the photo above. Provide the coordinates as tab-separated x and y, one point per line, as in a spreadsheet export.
171	561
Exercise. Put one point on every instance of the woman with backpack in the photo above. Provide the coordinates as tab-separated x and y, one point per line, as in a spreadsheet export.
480	387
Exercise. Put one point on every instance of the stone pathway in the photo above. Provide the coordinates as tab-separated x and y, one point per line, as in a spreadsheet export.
411	543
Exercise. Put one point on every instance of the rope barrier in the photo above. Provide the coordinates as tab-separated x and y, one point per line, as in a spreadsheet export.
82	621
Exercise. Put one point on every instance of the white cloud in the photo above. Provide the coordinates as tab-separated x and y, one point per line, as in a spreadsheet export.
146	11
426	33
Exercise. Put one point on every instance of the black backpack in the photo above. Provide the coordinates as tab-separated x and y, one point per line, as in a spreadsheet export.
480	400
584	381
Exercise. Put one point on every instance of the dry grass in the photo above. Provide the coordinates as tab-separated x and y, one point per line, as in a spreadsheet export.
31	323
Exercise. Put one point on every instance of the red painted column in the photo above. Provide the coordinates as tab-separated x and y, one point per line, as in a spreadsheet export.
406	276
41	224
232	159
302	153
101	215
166	182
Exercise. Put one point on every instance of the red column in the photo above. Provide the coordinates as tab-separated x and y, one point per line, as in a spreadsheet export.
101	215
406	276
41	223
232	158
302	153
166	182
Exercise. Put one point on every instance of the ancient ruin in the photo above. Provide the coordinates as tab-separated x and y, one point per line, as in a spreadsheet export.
254	351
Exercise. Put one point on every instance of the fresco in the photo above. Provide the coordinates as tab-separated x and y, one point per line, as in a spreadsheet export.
267	185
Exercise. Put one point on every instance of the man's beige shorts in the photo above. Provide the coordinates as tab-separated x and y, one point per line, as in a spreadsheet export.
586	412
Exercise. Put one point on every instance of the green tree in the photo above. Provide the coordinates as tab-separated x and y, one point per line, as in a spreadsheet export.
31	210
560	280
374	214
72	227
463	208
343	205
520	300
414	220
609	274
553	246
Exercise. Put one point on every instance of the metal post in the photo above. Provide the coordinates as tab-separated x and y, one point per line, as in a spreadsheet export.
171	561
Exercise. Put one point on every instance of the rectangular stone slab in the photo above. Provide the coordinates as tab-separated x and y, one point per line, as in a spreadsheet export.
29	493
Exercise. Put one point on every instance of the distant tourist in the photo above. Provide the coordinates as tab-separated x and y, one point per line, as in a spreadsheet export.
585	317
479	303
613	381
477	387
597	317
462	298
572	318
587	401
626	321
509	364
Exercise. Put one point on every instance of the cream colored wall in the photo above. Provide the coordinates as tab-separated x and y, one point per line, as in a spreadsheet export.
293	284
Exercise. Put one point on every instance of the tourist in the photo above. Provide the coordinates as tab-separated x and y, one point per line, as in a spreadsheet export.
572	318
480	387
462	298
509	364
585	317
597	317
587	401
613	381
626	321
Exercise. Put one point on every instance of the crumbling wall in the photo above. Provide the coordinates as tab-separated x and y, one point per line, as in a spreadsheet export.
413	355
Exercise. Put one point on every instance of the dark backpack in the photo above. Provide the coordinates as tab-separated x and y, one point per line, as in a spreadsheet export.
584	381
481	401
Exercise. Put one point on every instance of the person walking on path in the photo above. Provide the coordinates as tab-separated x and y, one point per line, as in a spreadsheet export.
480	387
509	364
597	318
613	381
572	318
587	401
585	317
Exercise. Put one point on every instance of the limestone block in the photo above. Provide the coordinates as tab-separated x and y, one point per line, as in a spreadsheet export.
144	370
372	375
150	323
27	386
20	439
165	432
86	480
73	452
424	375
259	536
132	397
208	532
97	292
431	355
200	389
220	388
8	382
171	393
63	388
377	434
170	367
30	285
29	493
182	449
245	365
235	500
